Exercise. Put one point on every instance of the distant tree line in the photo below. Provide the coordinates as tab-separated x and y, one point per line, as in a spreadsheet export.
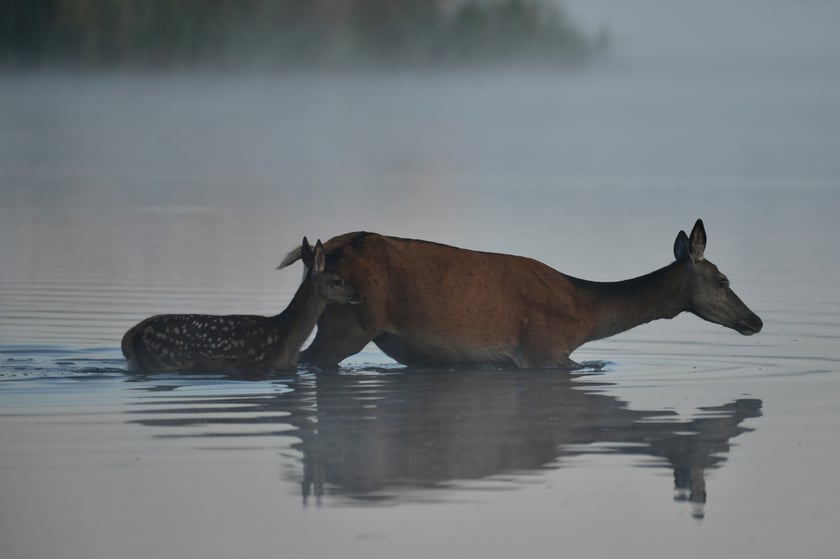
268	33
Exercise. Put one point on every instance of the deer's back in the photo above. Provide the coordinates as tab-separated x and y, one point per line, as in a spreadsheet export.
203	342
439	295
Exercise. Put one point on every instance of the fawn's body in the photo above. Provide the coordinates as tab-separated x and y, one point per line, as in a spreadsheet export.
237	343
432	304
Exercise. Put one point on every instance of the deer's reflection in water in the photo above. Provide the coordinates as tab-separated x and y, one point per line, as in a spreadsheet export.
389	435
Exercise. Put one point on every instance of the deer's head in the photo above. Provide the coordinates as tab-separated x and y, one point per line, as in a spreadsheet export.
710	296
327	285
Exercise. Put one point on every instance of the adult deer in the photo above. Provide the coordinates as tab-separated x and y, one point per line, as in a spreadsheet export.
238	343
432	304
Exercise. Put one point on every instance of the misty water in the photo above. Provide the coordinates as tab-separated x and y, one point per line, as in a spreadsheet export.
129	195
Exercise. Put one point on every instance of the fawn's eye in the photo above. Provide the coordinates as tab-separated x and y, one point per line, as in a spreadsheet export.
723	282
338	282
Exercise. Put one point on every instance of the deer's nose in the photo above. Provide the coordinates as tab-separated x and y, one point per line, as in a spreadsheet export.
751	325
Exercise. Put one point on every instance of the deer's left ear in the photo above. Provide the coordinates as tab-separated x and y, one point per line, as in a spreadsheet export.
697	241
306	254
682	249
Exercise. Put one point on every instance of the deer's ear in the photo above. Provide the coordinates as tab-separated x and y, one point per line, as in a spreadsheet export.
306	254
697	240
319	257
682	248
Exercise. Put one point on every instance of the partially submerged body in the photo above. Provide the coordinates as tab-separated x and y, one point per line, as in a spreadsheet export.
432	304
237	343
217	343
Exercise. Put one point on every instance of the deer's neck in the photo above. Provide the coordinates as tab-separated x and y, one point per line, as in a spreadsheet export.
297	321
621	305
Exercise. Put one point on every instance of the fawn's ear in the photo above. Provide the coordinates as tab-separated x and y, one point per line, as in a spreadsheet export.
319	258
682	248
697	240
306	254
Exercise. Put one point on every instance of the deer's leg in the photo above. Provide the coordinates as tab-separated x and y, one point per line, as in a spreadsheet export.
340	335
544	348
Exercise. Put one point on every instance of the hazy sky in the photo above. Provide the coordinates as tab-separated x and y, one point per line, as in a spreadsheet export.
743	28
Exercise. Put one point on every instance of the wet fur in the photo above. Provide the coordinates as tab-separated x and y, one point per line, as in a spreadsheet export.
427	303
237	343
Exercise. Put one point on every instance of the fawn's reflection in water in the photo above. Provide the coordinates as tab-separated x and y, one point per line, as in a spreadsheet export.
386	436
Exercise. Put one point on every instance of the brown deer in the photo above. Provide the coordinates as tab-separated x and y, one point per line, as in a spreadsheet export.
431	304
238	343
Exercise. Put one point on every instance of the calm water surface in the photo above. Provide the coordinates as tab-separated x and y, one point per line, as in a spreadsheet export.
126	196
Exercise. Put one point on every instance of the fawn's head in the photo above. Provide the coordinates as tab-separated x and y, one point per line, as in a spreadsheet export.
710	296
328	285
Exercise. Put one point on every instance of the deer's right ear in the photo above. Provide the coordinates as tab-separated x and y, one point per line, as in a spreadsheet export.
306	254
682	248
320	258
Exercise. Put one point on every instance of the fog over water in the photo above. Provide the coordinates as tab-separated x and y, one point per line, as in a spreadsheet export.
684	31
130	193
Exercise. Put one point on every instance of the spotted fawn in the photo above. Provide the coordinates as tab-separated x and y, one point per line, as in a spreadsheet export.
238	343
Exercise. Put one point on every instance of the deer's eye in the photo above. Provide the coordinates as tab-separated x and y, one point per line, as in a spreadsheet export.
338	282
723	282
